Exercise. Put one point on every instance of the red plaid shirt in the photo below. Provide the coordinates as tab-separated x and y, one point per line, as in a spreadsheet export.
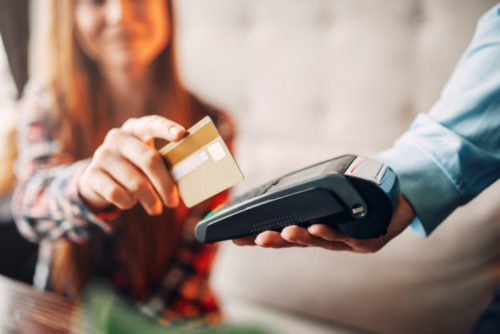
47	206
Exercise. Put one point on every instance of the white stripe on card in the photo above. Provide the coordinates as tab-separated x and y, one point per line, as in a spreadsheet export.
189	164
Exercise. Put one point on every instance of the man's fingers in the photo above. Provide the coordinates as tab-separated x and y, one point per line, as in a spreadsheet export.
246	241
403	216
291	236
327	232
271	239
301	236
353	244
319	235
154	126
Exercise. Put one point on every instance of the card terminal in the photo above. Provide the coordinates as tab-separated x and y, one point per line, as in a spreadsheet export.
357	195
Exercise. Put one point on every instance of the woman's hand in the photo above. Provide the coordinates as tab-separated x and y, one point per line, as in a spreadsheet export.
319	235
127	169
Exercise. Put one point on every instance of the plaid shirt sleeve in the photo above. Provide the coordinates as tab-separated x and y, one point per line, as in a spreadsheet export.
46	203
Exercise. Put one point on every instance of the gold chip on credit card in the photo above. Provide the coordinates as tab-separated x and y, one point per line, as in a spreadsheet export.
201	163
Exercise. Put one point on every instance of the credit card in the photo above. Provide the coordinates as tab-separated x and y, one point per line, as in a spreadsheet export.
201	163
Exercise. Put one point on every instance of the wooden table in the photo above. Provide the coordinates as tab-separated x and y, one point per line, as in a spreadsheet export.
24	309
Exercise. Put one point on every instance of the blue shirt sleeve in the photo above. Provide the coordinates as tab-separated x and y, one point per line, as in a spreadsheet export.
451	154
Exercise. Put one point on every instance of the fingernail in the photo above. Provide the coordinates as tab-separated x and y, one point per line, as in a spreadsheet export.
175	130
285	235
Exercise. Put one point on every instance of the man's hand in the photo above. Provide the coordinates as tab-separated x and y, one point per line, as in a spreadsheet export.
324	236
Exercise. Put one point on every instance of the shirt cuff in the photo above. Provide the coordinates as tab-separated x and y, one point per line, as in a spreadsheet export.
423	182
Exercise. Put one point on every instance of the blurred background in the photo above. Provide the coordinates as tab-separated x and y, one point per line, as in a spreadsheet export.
306	81
17	256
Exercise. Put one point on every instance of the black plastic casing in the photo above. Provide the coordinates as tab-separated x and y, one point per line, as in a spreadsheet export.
354	194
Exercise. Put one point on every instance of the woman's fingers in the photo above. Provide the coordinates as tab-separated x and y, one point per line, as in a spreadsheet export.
134	170
154	126
147	160
99	188
134	181
150	162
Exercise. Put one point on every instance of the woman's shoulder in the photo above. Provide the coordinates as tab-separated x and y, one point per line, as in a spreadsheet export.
222	119
37	98
38	89
37	108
